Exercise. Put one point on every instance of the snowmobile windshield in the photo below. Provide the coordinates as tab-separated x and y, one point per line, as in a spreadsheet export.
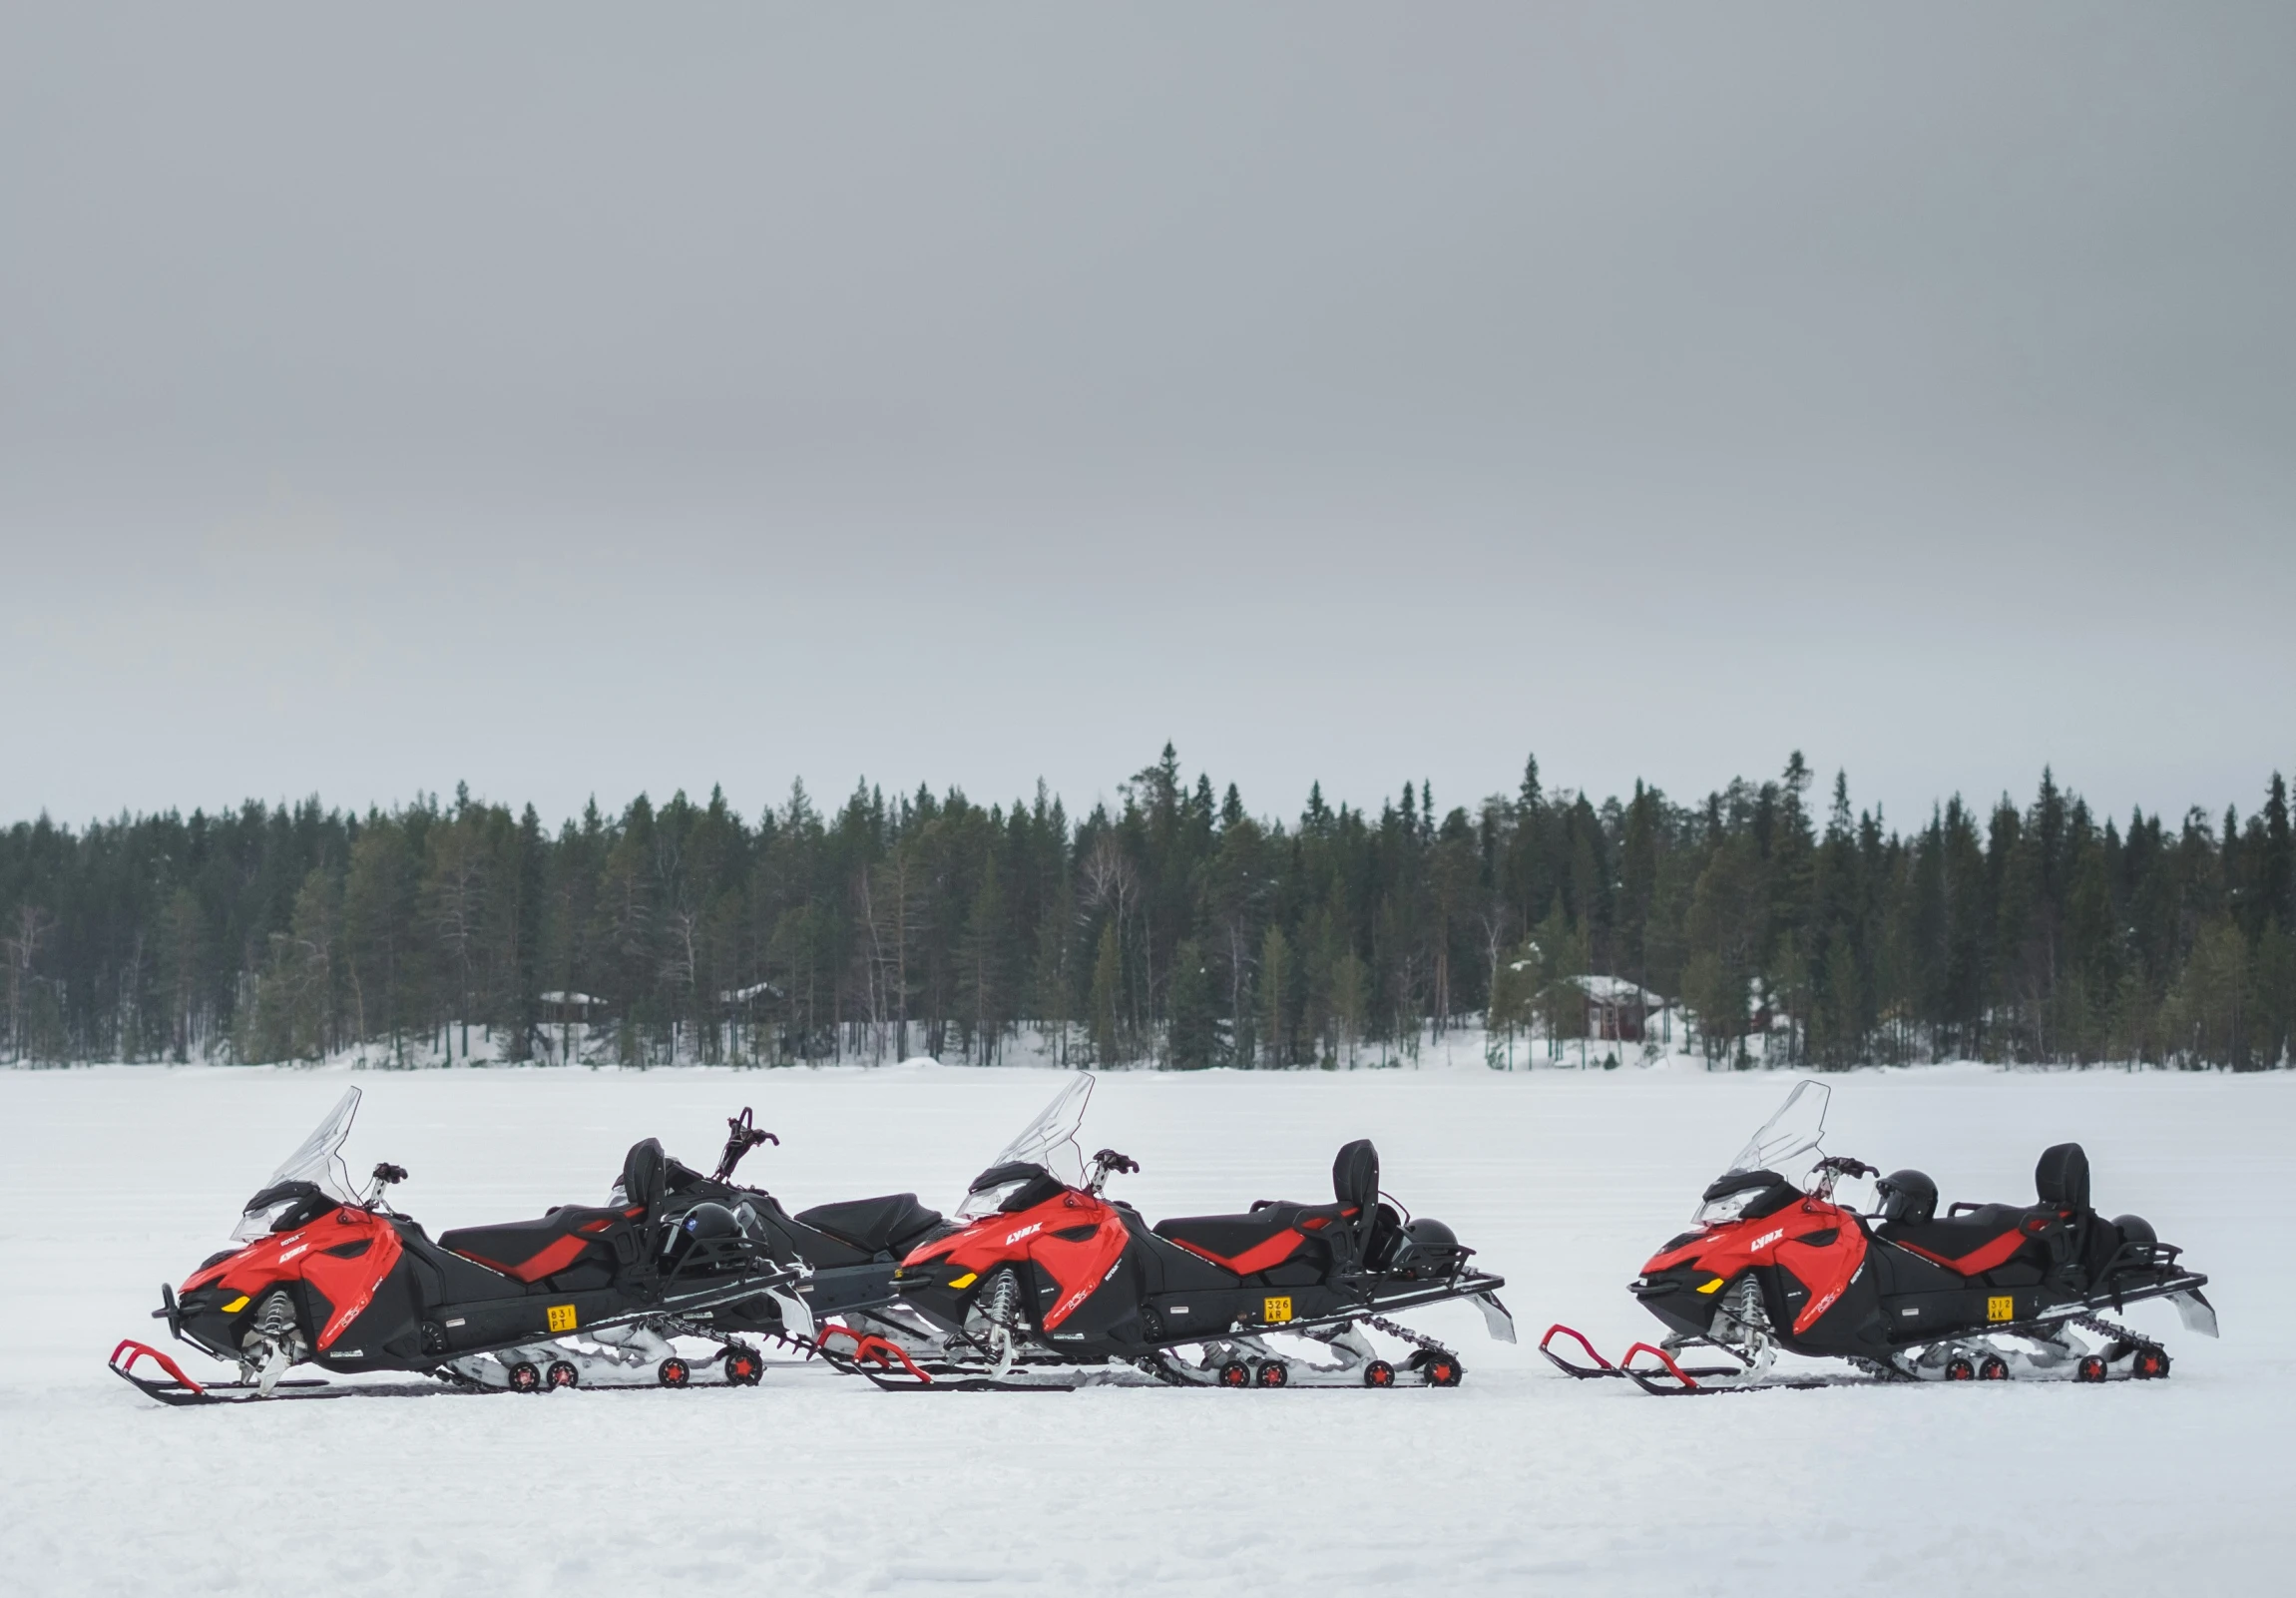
318	1160
1050	1141
1794	1131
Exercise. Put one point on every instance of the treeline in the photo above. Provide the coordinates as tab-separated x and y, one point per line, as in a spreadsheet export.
1175	928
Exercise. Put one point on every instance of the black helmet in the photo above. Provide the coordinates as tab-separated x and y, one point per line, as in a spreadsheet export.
1908	1196
1427	1249
703	1223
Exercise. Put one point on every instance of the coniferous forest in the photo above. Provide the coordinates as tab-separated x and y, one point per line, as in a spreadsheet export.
1176	929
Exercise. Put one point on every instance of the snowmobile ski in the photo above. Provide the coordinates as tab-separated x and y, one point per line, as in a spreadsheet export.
181	1392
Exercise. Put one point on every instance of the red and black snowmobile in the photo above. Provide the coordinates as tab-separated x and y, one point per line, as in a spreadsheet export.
1993	1291
318	1277
844	1255
1045	1283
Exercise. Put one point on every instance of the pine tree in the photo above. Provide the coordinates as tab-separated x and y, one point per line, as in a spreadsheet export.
1278	1050
1193	1039
1104	1007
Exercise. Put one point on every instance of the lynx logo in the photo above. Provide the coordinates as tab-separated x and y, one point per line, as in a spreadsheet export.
1765	1240
1013	1238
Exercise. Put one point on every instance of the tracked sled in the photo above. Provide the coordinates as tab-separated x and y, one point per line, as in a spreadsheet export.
1045	1283
581	1296
1772	1266
842	1257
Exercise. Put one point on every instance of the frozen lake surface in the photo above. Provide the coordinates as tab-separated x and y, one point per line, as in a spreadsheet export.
1520	1480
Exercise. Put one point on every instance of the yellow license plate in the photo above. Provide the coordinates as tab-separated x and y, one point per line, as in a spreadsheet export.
2002	1308
561	1317
1277	1309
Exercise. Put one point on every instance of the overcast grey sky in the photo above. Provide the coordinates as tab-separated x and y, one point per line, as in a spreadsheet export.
583	400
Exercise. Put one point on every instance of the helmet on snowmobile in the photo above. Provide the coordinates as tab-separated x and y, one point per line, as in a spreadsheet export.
1908	1196
1427	1247
706	1222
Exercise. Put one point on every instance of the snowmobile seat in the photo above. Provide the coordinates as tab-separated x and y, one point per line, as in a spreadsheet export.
1245	1244
1276	1232
1355	1188
1988	1236
2061	1179
874	1226
645	1174
1355	1176
1971	1243
533	1250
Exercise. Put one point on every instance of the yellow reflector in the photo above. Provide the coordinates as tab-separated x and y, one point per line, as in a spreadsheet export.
237	1304
1711	1286
965	1281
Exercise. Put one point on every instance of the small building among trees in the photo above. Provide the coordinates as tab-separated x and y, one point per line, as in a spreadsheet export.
1618	1011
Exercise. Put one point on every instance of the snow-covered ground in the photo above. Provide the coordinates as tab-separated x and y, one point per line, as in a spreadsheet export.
1520	1480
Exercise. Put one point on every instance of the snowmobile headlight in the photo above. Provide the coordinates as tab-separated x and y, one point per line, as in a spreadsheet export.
989	1199
1729	1207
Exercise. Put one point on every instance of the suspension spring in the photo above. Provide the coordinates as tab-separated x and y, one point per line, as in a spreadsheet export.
1417	1339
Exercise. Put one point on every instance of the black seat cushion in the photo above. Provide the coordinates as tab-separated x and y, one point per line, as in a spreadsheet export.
532	1250
875	1225
1245	1244
1971	1243
2061	1179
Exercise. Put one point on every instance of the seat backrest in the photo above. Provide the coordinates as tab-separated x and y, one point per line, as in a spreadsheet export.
645	1173
1355	1179
2061	1176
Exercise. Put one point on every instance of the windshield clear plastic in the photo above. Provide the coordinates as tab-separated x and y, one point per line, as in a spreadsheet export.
1050	1141
1797	1129
319	1160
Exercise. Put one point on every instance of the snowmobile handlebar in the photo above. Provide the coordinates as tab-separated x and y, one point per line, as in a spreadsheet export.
1108	1162
1834	1167
741	1135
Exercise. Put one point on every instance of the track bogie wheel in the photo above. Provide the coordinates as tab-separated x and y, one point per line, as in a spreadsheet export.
1993	1368
744	1366
1235	1373
1272	1373
674	1372
1379	1374
1444	1371
562	1373
2090	1368
2150	1364
524	1377
1959	1369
